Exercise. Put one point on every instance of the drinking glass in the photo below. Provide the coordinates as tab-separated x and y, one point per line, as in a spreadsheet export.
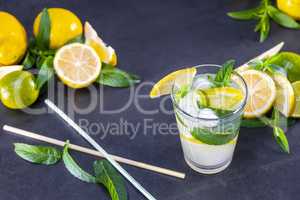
213	152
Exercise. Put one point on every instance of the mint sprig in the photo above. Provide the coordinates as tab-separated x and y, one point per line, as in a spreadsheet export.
276	123
263	13
223	76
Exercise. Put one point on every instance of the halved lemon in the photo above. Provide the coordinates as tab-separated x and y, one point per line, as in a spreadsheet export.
296	87
106	53
262	93
77	65
285	97
8	69
224	98
181	77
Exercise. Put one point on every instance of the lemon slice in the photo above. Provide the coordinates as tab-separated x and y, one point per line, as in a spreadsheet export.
262	93
224	98
181	77
106	53
285	97
296	87
77	65
8	69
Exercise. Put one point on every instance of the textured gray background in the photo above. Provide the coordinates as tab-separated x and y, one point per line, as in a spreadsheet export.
153	38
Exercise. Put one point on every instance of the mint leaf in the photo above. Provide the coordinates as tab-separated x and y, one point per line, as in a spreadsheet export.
263	27
182	92
252	123
277	131
213	137
223	76
78	39
43	36
46	72
38	154
29	60
282	19
111	179
281	139
280	122
74	168
245	14
114	77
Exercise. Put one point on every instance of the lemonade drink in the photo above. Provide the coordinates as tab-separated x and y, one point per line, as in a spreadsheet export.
208	118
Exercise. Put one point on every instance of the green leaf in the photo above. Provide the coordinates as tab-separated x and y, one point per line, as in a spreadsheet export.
264	27
46	72
223	76
29	60
213	137
252	123
114	77
280	122
78	39
182	92
38	154
282	19
281	139
43	36
245	14
111	179
74	168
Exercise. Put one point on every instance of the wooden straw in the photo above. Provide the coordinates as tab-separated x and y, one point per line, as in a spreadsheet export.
134	163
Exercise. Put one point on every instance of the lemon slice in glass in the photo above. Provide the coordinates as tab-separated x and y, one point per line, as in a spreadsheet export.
262	93
181	77
224	98
77	65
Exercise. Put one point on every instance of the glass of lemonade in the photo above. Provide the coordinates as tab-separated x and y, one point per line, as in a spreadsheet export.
208	118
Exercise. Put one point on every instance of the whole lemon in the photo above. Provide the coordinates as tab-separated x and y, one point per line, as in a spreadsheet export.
65	26
290	7
13	39
18	90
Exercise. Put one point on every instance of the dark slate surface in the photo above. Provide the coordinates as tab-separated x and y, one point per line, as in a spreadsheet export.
153	38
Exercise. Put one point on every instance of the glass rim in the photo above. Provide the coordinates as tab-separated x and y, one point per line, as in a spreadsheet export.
237	110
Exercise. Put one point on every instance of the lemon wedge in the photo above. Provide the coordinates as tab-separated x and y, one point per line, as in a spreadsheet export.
296	87
106	53
181	77
77	65
262	93
285	97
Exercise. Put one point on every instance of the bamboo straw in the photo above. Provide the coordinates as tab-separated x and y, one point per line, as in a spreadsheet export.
53	141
